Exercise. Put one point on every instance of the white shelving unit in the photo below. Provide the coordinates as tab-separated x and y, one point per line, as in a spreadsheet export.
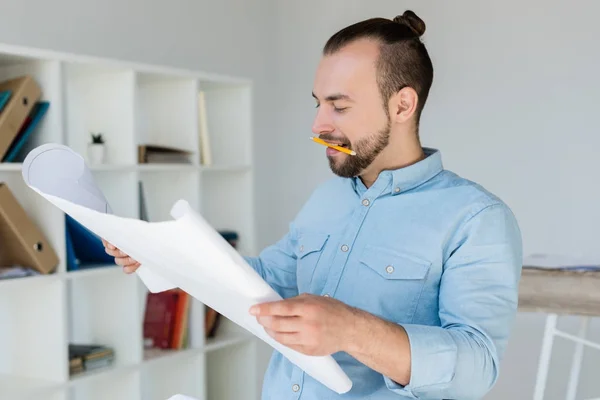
130	104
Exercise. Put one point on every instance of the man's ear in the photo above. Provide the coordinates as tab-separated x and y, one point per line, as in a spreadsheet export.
403	105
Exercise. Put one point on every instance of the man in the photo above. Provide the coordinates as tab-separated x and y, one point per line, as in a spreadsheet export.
403	271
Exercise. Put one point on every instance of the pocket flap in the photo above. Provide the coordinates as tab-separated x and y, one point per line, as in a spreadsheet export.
392	264
309	243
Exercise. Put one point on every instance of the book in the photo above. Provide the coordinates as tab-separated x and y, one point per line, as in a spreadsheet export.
166	319
153	153
28	127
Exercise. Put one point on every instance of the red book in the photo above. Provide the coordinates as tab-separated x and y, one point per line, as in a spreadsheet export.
159	318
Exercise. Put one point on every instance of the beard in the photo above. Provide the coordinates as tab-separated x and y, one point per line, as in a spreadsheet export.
366	149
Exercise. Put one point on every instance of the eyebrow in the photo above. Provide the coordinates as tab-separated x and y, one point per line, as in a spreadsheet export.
334	97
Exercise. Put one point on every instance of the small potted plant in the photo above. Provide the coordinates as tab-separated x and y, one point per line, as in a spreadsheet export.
96	149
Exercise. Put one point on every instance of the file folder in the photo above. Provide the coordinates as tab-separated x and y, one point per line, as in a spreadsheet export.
25	92
21	241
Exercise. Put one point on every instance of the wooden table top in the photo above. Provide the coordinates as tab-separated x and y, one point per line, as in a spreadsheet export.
560	291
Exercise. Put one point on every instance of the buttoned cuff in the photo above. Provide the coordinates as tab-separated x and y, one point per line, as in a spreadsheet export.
433	361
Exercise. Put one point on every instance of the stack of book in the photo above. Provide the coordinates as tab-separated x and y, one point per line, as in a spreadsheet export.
166	320
157	154
88	357
21	110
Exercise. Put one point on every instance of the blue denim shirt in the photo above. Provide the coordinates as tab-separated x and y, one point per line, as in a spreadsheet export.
422	247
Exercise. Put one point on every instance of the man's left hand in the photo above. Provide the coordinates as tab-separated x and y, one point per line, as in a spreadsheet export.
313	325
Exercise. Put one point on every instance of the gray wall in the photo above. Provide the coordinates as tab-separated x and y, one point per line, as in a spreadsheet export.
514	107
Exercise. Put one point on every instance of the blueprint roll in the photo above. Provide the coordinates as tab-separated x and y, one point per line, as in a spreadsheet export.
186	252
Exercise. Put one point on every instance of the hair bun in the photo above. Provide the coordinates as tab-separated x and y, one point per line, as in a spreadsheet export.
412	20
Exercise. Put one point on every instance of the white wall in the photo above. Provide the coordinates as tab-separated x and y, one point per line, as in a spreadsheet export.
514	106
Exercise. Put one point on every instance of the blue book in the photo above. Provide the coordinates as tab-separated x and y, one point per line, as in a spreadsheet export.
4	97
84	247
35	116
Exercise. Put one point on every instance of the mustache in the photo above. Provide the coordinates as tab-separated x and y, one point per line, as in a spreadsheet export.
331	138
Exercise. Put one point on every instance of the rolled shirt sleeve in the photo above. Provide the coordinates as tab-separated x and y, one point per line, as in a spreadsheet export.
478	301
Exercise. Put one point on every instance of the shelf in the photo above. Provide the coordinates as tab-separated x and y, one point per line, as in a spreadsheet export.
95	271
167	355
11	167
226	168
86	376
166	167
111	167
27	280
131	104
217	343
16	387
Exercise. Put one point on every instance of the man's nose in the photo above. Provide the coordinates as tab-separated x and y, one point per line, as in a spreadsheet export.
321	124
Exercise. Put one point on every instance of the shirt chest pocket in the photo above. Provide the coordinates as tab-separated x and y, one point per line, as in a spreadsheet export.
309	249
394	280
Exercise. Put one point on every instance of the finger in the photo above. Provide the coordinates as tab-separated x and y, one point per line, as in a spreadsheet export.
115	252
287	307
285	338
280	324
108	245
125	261
129	269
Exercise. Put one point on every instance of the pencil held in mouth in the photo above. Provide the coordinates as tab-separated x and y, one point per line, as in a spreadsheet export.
333	146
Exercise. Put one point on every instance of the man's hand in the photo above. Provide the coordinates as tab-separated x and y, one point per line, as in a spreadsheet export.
310	324
321	326
129	264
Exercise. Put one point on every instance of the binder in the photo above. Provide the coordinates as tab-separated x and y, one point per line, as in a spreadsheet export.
25	93
21	241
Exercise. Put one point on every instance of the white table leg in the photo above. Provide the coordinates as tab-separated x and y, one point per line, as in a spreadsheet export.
576	364
545	355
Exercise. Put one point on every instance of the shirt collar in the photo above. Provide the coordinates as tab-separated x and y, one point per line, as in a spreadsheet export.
409	177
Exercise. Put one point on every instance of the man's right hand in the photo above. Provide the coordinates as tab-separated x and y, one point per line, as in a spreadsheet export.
129	264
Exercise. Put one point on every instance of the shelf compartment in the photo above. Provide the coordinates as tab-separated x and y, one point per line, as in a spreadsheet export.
226	201
228	121
181	374
221	341
166	108
162	189
235	360
103	310
48	219
100	100
32	336
47	74
120	189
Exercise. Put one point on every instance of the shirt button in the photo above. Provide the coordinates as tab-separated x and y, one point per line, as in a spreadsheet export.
325	295
365	202
301	248
296	387
389	269
344	248
396	189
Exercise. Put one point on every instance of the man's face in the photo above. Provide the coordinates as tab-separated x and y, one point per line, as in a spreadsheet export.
350	110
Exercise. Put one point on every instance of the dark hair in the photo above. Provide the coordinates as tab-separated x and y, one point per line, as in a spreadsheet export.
403	59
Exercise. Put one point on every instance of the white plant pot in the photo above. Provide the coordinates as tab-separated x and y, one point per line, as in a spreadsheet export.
96	153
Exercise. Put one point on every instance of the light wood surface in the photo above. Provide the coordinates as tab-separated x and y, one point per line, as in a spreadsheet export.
560	292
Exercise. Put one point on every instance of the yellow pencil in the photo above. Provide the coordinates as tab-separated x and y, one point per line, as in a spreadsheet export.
339	148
